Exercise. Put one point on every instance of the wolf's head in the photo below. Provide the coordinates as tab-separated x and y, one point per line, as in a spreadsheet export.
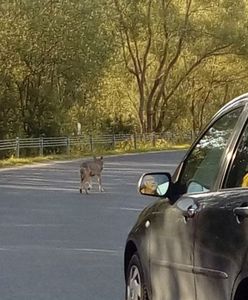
97	159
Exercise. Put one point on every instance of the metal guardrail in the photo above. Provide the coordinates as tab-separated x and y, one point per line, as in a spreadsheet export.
90	142
7	144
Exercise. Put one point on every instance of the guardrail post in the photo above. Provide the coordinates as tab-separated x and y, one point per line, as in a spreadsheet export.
113	141
17	147
41	146
91	143
135	141
153	139
68	148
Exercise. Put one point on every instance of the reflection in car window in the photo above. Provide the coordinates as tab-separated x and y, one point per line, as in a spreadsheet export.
238	174
201	167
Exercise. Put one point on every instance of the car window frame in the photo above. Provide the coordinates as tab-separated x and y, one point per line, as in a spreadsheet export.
233	158
233	146
227	153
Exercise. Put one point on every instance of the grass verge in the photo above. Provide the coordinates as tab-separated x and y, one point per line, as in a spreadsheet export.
13	162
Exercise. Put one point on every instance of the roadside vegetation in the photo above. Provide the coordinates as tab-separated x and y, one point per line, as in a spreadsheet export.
145	147
72	67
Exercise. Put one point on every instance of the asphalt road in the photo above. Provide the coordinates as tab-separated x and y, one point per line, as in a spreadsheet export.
58	244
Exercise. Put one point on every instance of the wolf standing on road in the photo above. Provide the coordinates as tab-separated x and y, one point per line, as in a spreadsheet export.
89	169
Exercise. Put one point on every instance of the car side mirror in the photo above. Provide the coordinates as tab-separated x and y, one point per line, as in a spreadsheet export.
154	184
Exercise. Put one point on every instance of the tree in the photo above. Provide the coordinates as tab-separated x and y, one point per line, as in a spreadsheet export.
165	43
53	52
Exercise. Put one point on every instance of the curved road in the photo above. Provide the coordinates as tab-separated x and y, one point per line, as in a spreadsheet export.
58	244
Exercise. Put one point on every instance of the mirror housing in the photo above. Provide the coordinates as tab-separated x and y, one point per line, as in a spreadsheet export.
155	184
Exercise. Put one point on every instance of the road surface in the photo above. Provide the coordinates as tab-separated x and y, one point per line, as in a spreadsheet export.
57	244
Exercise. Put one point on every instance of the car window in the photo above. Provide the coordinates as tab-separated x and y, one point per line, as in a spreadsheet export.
202	165
238	173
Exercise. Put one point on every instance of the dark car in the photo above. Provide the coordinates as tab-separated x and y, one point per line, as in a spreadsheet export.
192	242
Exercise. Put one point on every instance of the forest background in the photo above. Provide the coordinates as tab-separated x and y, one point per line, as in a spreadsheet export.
71	67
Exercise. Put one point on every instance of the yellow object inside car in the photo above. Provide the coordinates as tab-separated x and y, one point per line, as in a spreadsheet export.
245	181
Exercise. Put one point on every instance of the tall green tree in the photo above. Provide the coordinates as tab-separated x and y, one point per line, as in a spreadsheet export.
166	42
53	52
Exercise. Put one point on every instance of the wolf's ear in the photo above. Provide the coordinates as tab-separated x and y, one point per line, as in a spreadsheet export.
101	157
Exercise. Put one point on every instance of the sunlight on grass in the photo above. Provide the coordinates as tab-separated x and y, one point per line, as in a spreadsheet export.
22	161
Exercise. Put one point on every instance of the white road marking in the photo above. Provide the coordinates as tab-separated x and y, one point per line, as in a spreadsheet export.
32	225
126	208
47	248
42	188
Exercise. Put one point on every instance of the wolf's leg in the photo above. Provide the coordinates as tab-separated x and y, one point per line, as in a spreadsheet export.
85	180
86	185
89	183
86	190
99	179
81	184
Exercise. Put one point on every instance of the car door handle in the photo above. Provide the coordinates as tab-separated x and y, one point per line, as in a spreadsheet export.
190	212
240	213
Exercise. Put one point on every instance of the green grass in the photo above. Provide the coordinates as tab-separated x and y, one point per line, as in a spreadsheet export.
22	161
13	162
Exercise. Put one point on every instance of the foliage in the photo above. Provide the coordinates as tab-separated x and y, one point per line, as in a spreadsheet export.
166	43
52	56
123	66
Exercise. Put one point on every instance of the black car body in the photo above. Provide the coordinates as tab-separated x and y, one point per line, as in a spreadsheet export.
192	242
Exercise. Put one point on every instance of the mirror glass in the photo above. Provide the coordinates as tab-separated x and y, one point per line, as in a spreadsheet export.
154	184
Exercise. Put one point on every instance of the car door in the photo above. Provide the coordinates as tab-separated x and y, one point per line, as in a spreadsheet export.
174	226
171	249
221	241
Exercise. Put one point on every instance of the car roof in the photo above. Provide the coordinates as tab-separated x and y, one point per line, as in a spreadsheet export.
240	100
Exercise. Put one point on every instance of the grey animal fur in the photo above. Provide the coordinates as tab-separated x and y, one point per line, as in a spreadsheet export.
88	169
